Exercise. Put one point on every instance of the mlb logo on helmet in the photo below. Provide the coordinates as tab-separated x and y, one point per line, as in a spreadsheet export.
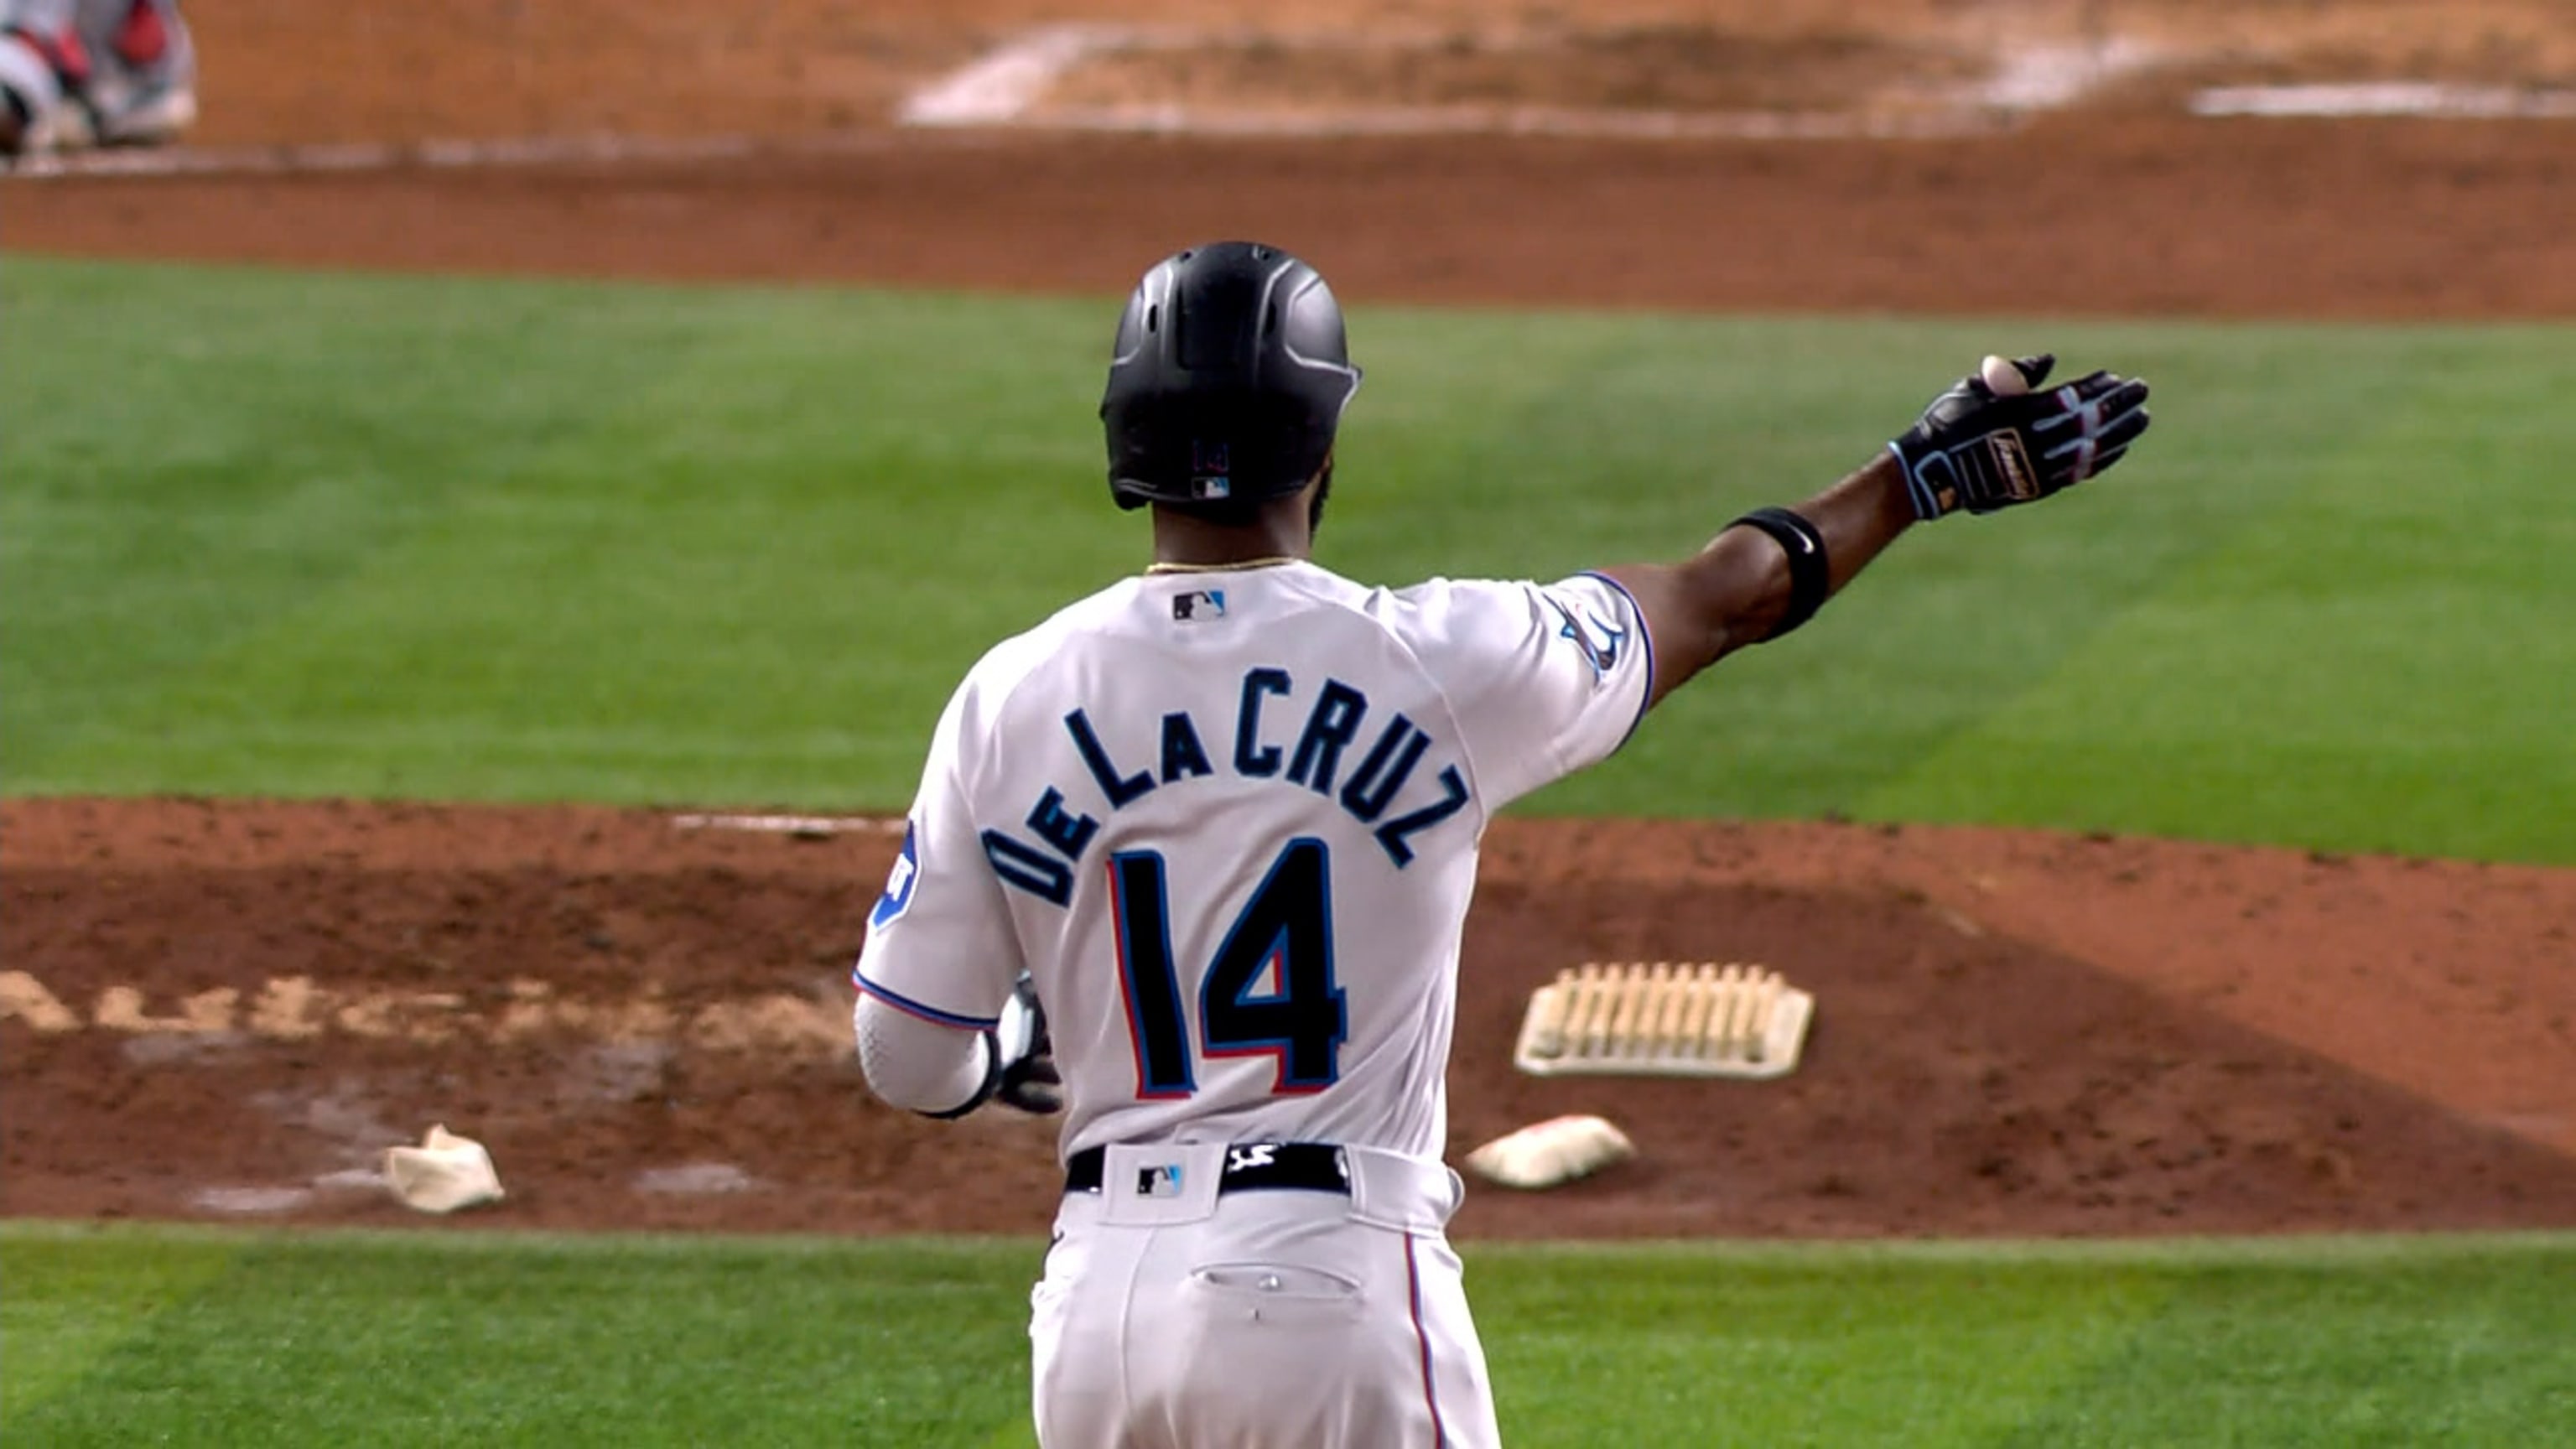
1211	469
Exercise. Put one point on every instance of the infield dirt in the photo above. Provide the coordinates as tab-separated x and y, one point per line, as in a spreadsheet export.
219	1004
213	1008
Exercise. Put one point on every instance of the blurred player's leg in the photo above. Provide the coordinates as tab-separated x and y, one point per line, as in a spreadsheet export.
144	90
41	62
28	96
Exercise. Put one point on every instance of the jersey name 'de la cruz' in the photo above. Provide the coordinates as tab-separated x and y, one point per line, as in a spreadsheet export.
1228	821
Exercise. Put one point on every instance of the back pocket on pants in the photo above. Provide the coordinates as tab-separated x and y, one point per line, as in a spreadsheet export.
1293	1292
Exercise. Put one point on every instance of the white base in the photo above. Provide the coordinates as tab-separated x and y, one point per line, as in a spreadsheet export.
1665	1020
443	1174
1546	1154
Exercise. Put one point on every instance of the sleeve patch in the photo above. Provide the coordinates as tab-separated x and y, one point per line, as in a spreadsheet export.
1601	643
899	883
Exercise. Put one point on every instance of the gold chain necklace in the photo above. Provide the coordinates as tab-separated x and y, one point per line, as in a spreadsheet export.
1273	561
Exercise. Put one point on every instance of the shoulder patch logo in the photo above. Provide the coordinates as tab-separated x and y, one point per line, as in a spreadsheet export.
899	883
1601	653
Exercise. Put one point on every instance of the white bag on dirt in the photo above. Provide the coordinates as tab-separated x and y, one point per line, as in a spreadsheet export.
444	1173
1544	1154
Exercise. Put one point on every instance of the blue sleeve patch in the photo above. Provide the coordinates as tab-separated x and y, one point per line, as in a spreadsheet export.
1595	638
899	884
1646	646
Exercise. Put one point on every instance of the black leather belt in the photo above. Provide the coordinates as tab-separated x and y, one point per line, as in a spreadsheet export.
1249	1167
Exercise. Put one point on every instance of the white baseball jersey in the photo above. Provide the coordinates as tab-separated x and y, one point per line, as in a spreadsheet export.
1228	821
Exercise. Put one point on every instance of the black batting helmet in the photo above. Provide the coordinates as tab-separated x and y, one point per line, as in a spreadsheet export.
1228	380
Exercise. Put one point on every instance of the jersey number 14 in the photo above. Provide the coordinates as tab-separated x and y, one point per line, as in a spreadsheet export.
1285	932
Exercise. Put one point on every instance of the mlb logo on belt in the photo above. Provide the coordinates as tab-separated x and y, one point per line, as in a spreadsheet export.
1163	1179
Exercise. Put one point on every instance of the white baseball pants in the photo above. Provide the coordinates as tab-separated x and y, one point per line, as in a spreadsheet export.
1173	1317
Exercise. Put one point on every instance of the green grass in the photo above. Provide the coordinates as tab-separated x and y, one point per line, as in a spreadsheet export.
119	1336
291	534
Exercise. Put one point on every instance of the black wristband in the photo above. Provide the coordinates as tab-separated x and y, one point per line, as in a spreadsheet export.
984	1093
1810	578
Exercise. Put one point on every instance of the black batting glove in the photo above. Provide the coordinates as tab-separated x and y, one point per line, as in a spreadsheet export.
1976	450
1028	1080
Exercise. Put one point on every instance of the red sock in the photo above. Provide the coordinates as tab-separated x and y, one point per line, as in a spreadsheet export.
142	39
63	51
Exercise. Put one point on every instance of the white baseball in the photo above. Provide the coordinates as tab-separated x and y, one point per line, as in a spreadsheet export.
2002	378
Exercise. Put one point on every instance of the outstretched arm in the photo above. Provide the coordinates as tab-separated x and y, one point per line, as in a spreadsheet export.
1737	591
1987	443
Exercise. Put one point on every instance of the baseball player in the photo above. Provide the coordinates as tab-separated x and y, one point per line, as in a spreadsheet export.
76	73
1202	844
